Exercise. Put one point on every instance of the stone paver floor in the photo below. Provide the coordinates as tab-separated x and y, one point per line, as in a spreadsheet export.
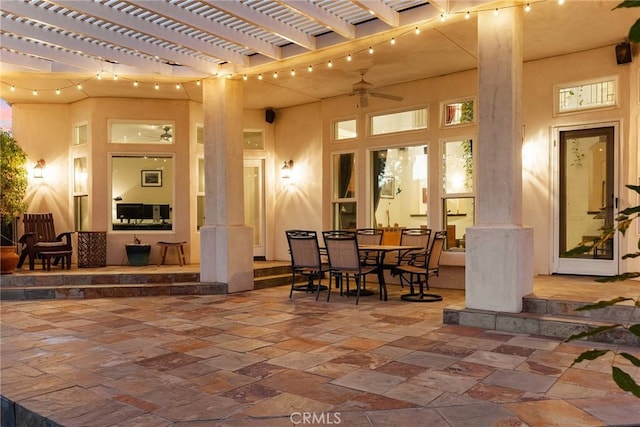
260	358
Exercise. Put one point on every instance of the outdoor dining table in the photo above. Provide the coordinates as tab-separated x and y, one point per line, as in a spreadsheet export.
382	251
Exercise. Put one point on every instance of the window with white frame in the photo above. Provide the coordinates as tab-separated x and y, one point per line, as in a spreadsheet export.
345	129
403	121
458	112
458	200
146	132
344	191
586	95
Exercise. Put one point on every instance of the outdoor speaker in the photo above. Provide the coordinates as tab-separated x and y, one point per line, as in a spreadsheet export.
269	115
623	53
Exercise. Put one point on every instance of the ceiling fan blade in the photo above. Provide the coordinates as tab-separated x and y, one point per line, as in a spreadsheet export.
363	100
386	96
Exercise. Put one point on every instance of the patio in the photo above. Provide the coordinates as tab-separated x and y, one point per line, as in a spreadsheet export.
260	358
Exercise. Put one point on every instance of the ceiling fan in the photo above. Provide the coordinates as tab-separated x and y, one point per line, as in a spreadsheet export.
363	89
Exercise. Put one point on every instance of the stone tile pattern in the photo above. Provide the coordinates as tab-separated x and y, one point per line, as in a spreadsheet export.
260	358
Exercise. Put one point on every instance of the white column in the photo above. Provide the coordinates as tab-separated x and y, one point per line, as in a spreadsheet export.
499	264
226	244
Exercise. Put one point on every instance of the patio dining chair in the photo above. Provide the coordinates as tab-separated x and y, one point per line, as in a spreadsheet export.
418	271
344	260
369	236
40	237
417	237
306	260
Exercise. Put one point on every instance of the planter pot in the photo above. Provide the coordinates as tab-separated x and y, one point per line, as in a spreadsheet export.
138	254
8	259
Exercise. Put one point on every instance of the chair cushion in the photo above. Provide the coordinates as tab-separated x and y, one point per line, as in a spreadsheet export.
50	244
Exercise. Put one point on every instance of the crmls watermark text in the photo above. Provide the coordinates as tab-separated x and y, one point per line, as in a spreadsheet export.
324	418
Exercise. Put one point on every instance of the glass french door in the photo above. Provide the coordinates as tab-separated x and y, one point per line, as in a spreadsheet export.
254	212
585	199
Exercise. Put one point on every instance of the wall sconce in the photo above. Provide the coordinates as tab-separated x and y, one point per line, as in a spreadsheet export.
285	173
38	169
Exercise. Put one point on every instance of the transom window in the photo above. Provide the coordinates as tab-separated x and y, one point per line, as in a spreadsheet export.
148	132
586	95
402	121
345	129
458	113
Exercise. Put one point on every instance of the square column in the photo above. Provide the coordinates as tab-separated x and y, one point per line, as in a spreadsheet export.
499	265
226	244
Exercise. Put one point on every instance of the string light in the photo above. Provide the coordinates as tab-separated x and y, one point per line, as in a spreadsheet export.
560	2
349	57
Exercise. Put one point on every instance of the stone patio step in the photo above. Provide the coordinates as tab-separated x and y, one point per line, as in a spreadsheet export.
111	290
621	313
560	326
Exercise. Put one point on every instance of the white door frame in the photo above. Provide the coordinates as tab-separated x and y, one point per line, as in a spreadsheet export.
596	267
259	250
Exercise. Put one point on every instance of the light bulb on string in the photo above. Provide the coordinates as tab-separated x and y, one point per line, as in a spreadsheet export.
370	50
293	72
442	17
35	92
310	68
244	77
393	40
417	31
560	2
197	82
349	58
260	76
79	86
496	12
115	77
57	91
527	7
135	83
13	88
156	86
330	64
99	76
275	74
467	15
177	86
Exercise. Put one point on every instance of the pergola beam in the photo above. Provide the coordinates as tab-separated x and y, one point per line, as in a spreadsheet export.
322	17
380	11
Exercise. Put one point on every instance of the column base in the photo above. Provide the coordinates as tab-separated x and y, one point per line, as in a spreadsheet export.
226	256
499	267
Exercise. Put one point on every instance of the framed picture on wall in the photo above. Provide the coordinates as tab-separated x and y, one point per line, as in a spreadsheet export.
151	178
388	187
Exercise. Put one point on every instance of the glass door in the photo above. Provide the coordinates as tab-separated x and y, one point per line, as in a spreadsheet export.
585	199
254	215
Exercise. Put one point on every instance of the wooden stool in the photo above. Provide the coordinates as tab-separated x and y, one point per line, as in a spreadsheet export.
63	256
179	251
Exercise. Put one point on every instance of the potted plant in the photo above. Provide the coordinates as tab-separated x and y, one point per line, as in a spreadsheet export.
138	252
13	187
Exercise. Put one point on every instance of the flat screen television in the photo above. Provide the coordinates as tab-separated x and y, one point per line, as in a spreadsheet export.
129	211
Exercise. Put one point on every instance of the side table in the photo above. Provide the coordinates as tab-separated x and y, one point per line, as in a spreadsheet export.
92	248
